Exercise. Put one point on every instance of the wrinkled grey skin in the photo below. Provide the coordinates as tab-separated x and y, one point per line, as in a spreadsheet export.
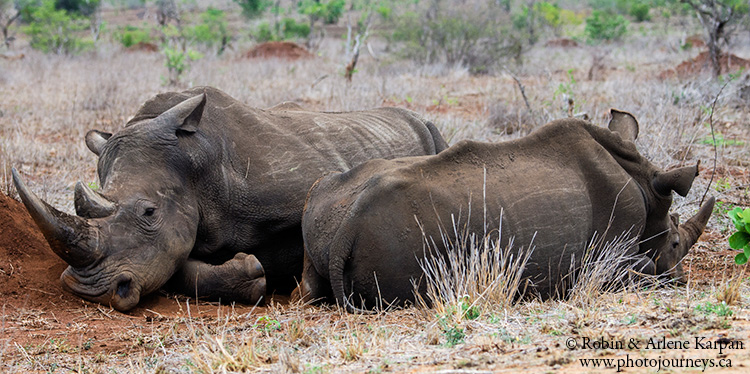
205	194
556	188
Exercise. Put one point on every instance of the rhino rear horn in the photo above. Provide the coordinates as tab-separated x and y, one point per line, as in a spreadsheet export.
95	140
186	115
624	123
70	237
678	180
90	204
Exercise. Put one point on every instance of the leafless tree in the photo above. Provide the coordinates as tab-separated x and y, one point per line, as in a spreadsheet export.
8	15
719	19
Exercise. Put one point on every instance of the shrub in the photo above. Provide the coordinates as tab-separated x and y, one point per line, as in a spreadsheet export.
329	12
53	30
289	28
253	8
82	7
212	30
476	38
294	29
264	33
133	35
605	26
640	12
740	240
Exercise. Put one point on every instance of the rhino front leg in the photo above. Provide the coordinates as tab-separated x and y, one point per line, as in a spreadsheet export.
240	279
313	287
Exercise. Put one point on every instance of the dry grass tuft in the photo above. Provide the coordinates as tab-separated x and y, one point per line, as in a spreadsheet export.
605	267
475	272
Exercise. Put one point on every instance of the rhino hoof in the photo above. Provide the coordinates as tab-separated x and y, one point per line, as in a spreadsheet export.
253	285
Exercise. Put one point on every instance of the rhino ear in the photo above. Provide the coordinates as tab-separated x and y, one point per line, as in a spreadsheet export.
186	115
677	180
95	140
624	123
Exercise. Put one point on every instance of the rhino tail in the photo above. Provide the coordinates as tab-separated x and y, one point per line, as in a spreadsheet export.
339	251
437	138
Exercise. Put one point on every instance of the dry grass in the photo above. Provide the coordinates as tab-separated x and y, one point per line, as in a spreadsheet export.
50	102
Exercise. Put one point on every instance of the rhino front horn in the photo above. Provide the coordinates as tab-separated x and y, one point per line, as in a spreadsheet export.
90	204
693	228
70	237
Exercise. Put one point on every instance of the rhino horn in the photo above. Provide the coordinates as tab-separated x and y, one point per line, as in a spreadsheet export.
679	180
95	141
691	230
90	204
624	123
186	115
70	237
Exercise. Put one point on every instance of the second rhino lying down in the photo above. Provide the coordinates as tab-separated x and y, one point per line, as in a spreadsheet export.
559	186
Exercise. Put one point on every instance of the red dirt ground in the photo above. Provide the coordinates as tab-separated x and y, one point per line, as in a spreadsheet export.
33	299
702	63
562	42
282	50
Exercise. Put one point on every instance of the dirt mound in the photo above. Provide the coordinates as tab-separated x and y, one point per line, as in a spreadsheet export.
563	43
702	64
282	50
143	47
29	270
694	41
36	309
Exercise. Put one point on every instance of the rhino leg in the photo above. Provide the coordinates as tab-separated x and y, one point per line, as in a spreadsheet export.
240	279
313	287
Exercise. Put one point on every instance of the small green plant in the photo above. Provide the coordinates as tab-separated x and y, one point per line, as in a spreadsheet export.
719	140
267	324
740	240
454	335
469	310
178	62
721	309
722	185
603	26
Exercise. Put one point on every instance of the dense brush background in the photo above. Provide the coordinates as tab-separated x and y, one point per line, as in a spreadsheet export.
473	90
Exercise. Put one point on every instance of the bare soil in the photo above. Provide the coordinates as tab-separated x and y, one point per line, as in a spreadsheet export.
282	50
702	63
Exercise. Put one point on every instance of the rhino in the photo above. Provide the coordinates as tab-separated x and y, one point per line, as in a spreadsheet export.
203	194
366	230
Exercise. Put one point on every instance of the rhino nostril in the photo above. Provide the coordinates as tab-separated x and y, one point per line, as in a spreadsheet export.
123	288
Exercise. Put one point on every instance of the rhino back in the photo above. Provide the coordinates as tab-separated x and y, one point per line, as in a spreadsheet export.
252	169
554	187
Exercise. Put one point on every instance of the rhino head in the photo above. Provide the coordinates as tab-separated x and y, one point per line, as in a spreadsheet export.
130	237
664	239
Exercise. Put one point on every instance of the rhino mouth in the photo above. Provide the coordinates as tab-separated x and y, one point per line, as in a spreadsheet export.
122	291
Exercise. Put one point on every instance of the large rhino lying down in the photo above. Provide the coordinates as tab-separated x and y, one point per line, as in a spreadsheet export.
559	186
205	192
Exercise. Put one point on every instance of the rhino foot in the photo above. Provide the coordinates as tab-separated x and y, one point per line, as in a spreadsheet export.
250	279
240	279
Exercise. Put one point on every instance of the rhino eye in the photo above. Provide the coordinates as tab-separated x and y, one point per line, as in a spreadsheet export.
149	212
